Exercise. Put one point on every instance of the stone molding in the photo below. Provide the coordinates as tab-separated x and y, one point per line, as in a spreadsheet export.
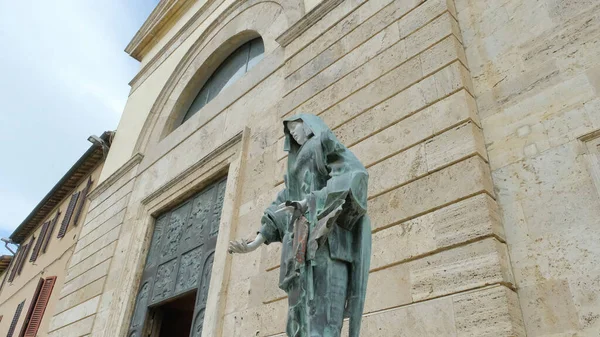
306	21
171	45
165	10
590	136
202	162
293	9
229	157
103	186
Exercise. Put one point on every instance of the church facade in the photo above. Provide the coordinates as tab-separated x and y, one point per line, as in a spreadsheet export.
477	123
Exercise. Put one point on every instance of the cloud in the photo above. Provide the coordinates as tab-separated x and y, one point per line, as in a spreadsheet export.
64	76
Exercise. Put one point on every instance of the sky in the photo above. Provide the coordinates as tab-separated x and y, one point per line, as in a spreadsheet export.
63	76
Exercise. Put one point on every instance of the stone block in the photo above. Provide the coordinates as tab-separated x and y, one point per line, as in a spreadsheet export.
93	260
270	257
586	299
79	328
120	193
86	278
436	190
107	297
398	169
98	232
258	205
75	314
329	20
269	282
246	265
396	10
461	268
239	292
424	15
548	307
461	222
266	320
420	41
467	220
568	125
339	30
351	51
453	145
113	188
388	288
409	120
397	137
101	242
228	328
427	319
452	78
326	69
488	312
89	291
465	314
108	218
353	81
594	78
368	96
103	317
441	54
537	106
454	109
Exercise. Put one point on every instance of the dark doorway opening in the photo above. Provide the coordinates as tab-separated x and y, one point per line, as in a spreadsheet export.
175	317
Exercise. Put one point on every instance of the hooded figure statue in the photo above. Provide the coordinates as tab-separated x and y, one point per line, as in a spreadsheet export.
321	220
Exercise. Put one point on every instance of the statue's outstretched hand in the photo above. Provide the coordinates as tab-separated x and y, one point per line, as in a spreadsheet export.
239	246
245	246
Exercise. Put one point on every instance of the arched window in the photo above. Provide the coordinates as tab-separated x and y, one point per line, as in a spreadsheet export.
234	66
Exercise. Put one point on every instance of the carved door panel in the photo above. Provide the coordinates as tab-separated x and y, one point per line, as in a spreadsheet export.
181	255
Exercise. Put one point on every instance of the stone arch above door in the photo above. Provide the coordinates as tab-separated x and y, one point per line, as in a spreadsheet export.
239	23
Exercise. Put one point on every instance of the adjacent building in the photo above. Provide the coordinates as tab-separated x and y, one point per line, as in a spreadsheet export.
478	122
35	284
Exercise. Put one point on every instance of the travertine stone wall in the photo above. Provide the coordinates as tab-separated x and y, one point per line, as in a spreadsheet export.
83	293
452	109
391	79
536	70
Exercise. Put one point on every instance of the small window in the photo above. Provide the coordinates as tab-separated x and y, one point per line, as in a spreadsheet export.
234	67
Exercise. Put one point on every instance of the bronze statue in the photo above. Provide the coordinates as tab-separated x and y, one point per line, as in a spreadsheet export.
321	220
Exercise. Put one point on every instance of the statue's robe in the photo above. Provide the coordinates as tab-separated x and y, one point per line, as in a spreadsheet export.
331	282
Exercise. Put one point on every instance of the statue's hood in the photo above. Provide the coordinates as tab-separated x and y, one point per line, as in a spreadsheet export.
312	124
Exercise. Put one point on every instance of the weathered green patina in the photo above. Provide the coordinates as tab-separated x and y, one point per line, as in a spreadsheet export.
321	220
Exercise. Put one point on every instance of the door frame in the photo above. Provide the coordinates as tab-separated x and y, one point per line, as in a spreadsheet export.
226	160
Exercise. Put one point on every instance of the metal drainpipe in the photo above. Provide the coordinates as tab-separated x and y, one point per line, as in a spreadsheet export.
6	242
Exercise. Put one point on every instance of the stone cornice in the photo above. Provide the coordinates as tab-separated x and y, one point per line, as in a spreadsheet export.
103	186
208	8
306	21
206	159
180	36
164	11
